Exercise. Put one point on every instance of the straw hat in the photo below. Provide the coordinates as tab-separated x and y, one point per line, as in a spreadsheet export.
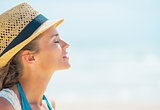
18	26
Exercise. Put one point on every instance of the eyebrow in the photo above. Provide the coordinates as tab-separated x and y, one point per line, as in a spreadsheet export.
54	35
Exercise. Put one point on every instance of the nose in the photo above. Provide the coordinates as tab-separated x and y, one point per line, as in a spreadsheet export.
66	45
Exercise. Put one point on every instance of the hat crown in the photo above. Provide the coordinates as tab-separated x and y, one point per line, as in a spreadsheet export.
13	21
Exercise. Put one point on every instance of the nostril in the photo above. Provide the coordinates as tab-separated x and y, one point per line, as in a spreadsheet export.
66	46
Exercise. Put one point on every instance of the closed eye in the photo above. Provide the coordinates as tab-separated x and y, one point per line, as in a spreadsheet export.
57	41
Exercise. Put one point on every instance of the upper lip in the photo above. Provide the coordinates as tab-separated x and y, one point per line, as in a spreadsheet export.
65	54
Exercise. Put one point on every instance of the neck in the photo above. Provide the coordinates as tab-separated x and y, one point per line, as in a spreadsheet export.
34	85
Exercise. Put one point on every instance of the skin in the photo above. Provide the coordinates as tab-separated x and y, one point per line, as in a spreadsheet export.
39	68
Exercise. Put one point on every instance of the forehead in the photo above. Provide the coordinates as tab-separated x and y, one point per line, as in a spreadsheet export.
50	33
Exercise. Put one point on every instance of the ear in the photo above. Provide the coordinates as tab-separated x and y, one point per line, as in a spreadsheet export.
28	56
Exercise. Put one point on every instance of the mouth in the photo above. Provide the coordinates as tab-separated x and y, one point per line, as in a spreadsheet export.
65	56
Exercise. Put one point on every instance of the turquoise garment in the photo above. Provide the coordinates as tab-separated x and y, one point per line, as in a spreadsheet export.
25	104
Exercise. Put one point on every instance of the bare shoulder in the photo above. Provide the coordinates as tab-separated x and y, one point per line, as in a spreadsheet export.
5	104
52	102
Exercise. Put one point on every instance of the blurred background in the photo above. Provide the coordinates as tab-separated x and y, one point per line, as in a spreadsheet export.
114	53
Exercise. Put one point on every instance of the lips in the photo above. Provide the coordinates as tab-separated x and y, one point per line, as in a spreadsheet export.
65	55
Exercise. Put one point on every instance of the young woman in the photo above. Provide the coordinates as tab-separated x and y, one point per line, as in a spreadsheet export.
31	53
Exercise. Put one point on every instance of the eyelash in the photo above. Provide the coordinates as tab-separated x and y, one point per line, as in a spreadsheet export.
57	41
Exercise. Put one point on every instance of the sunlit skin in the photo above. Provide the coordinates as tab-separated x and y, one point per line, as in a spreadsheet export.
39	68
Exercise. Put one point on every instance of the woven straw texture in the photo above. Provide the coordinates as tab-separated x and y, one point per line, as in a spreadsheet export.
13	21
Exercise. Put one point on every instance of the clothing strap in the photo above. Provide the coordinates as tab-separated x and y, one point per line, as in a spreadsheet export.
25	103
49	106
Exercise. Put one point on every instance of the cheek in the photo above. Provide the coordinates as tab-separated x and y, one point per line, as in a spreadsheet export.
50	56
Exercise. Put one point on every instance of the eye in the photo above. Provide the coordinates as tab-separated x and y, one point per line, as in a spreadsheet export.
56	41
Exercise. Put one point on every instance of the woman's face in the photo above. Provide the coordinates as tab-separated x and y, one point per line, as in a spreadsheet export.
52	51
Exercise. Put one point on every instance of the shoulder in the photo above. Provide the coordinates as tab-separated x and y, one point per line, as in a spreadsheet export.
51	101
5	104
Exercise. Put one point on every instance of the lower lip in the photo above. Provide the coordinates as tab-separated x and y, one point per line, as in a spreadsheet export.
66	57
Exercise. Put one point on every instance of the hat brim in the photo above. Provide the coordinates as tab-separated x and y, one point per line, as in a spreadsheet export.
46	25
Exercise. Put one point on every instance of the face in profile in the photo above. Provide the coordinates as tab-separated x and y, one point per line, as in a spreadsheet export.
52	55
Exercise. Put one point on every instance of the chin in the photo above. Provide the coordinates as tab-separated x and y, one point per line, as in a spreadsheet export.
65	67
